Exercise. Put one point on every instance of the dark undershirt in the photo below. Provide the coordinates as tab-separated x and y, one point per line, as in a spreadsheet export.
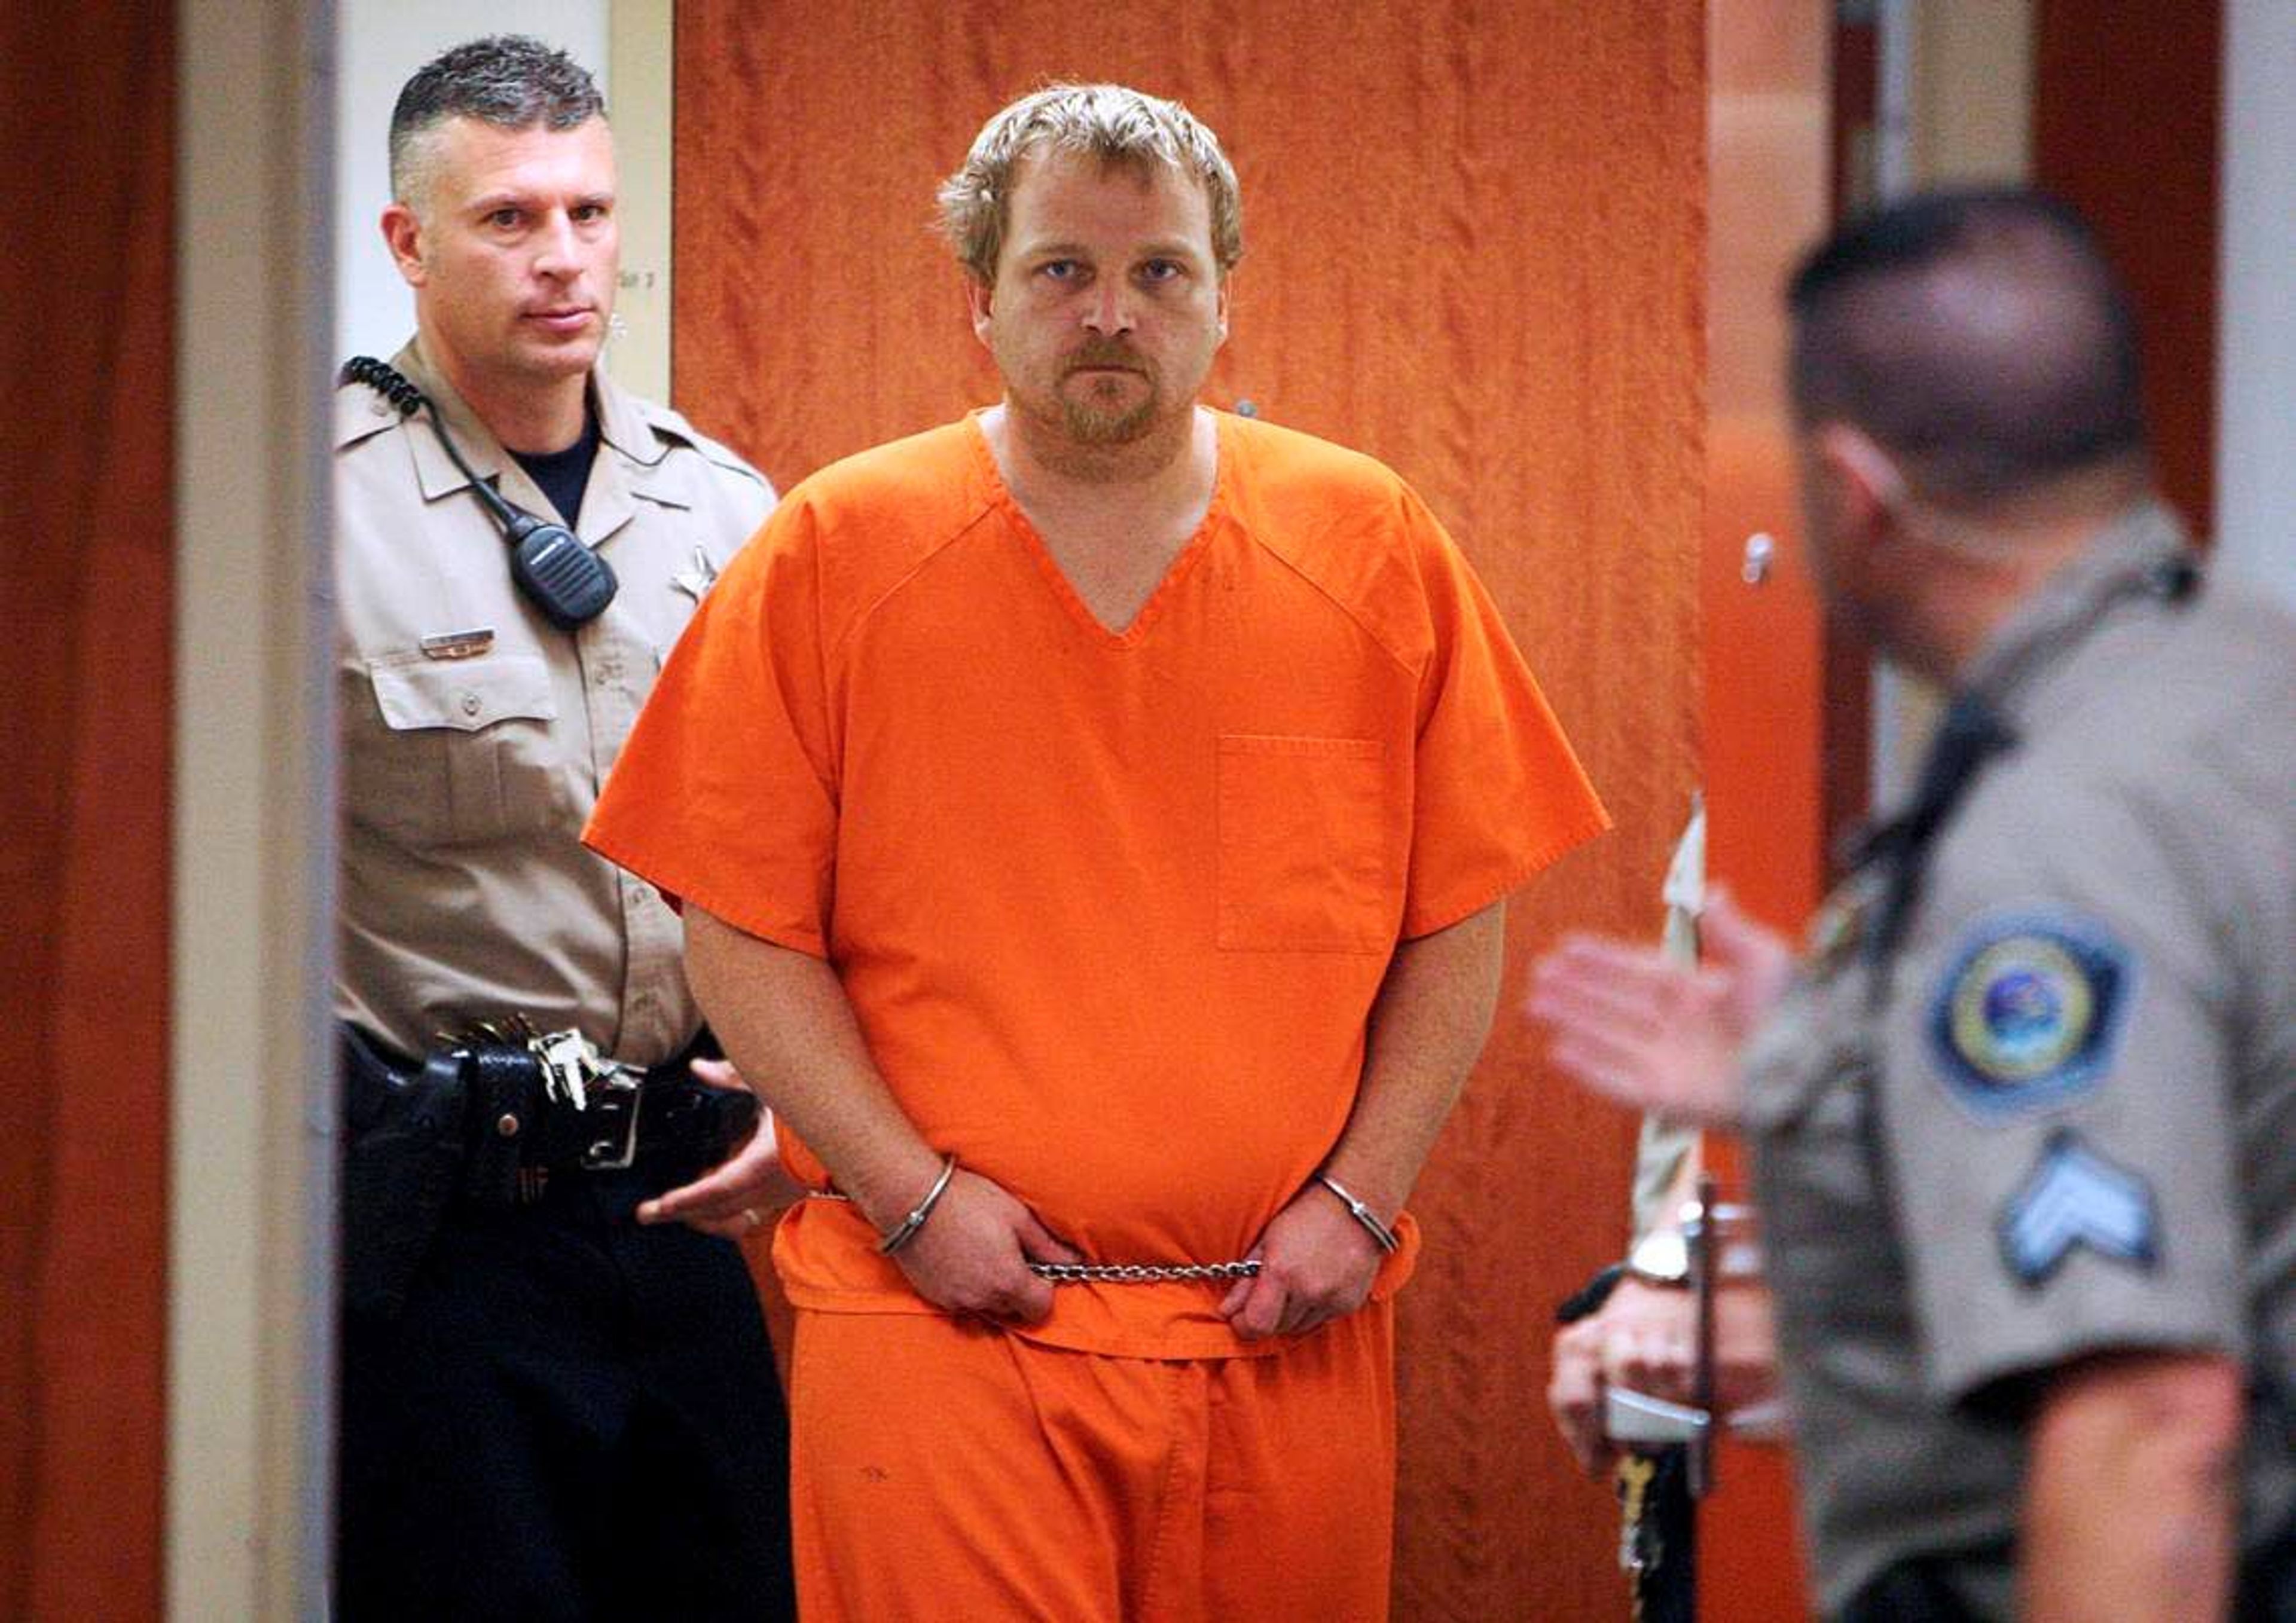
562	475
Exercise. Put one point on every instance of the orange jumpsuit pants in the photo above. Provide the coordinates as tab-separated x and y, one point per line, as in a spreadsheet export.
946	1469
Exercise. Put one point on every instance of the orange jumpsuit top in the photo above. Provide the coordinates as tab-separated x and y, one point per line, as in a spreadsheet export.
1110	908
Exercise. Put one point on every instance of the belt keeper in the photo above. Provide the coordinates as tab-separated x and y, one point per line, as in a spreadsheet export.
906	1230
1360	1212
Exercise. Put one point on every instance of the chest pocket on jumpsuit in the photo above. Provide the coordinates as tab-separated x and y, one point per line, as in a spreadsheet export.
1310	857
455	752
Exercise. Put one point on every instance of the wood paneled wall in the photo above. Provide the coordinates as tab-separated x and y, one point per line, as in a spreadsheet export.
2126	95
1473	248
86	106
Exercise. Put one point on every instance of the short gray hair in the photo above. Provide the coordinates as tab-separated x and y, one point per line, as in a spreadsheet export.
1109	122
511	81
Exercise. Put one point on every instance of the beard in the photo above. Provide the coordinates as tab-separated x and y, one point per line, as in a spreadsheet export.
1107	412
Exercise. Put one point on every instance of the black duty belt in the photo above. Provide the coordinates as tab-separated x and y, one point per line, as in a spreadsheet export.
515	1113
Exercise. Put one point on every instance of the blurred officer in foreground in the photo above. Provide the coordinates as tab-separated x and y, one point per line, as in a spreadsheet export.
558	1399
2024	1120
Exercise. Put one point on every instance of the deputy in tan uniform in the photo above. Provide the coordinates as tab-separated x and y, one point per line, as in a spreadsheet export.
558	1400
2025	1122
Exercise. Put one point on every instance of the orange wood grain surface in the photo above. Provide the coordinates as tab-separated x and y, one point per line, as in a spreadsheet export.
86	109
1784	735
1474	249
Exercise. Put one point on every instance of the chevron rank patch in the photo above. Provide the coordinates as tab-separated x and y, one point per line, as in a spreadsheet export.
2072	1198
2029	1014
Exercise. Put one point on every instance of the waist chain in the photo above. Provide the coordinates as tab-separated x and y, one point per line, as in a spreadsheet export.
1142	1273
1114	1273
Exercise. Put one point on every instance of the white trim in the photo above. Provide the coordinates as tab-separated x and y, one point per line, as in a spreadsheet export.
642	36
251	1246
2255	307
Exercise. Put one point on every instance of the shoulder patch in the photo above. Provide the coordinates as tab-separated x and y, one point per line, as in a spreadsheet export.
2029	1013
2074	1197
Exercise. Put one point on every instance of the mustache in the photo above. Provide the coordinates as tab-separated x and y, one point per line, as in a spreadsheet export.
1105	352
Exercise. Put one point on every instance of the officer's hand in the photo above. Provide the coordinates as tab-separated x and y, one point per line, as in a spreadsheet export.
1574	1394
1316	1263
973	1252
1658	1036
733	1197
1643	1339
1646	1339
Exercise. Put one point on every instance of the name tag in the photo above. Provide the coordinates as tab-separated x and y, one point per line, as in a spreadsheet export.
458	644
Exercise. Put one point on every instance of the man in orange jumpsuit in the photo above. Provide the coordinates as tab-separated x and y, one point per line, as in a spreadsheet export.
1092	820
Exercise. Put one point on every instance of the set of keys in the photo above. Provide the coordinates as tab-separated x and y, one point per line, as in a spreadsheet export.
1639	1543
576	1075
600	1095
571	1065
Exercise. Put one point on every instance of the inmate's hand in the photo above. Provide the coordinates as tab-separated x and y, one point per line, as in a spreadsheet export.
1316	1263
1658	1036
733	1198
973	1252
1646	1339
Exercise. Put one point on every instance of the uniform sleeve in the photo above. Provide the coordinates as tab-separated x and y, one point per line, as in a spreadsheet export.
1497	793
726	795
2058	1112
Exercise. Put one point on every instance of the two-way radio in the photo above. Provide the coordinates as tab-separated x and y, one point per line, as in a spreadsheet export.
552	567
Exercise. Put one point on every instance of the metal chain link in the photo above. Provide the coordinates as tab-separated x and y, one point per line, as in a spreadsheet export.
1114	1272
1141	1273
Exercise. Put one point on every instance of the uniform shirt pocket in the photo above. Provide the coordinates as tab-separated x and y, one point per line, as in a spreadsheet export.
1308	861
456	752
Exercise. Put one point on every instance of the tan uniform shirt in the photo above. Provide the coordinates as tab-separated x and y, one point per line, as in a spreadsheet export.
2061	1116
475	735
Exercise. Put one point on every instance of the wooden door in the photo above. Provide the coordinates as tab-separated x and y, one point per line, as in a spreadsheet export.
87	594
1475	250
1784	704
2148	184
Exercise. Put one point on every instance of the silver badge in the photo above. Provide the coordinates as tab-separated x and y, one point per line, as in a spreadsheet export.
700	578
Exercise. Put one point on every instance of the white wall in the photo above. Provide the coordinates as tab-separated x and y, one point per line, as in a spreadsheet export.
2256	312
251	1138
379	45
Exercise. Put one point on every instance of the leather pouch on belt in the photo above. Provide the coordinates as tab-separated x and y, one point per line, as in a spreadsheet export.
686	1127
401	1173
506	1117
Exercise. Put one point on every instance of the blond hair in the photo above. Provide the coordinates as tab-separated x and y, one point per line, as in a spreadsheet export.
1109	122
